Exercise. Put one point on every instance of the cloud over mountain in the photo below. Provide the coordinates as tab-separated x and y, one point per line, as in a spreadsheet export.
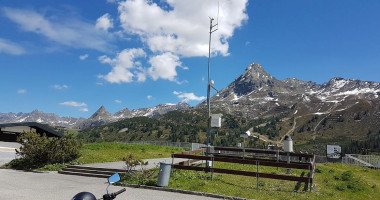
67	31
181	26
9	47
172	30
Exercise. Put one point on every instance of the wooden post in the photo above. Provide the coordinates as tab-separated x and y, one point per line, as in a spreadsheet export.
212	167
309	181
257	175
278	156
288	171
203	153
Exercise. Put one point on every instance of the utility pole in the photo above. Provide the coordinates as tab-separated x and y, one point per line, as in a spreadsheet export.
209	82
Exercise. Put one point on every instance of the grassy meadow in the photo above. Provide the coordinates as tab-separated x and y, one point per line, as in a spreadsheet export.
110	152
332	181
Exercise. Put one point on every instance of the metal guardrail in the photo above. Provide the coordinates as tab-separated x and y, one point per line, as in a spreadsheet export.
371	161
192	146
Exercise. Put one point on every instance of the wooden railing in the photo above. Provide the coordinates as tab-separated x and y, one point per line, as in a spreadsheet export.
256	157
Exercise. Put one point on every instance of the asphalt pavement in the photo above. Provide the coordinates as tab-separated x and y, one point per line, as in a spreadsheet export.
16	185
7	151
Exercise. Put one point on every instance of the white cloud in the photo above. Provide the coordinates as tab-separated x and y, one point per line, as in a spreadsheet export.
66	31
10	48
117	101
141	76
83	57
122	65
183	29
83	109
82	106
21	91
73	104
112	1
104	22
126	69
149	97
188	96
60	87
164	66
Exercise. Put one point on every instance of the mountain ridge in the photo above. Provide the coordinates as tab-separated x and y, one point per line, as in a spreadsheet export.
253	94
100	117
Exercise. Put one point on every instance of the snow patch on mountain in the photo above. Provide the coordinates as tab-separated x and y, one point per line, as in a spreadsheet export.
357	91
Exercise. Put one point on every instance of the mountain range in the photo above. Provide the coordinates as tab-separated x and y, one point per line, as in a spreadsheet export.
100	117
351	106
256	93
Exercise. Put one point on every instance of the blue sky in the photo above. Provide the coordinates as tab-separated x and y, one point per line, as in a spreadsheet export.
70	57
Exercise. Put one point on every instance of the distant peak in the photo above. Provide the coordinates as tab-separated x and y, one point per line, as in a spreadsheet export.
255	71
102	108
254	66
337	79
36	111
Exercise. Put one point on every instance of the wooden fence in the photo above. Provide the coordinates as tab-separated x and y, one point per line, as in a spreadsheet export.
256	157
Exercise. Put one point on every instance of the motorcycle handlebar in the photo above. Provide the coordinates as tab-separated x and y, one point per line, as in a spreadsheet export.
119	192
113	194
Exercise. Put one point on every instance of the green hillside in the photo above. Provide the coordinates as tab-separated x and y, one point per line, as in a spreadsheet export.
354	128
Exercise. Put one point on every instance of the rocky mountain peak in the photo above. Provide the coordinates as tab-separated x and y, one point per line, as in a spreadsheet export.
125	113
183	105
36	112
101	113
254	78
255	71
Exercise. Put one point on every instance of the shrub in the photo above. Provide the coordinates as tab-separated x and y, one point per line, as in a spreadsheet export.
347	176
131	163
37	151
140	177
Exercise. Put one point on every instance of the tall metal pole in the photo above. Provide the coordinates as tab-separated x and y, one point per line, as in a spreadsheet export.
209	83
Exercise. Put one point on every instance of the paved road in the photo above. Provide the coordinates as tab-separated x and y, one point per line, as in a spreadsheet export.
7	151
16	185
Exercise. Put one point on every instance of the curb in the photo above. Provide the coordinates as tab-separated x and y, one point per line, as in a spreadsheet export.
204	194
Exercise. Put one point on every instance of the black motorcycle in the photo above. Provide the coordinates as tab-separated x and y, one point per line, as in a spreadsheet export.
89	196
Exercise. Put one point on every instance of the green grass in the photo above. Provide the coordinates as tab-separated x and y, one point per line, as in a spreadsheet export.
332	181
110	152
57	166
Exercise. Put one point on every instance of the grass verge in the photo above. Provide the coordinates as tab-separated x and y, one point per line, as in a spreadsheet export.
332	181
110	152
105	152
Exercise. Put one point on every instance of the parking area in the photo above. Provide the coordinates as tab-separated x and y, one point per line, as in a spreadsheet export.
16	185
7	151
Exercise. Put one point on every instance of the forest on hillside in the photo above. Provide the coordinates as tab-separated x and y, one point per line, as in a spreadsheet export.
178	126
191	126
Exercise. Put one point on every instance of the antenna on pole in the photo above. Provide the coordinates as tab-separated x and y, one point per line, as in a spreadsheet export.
209	83
217	18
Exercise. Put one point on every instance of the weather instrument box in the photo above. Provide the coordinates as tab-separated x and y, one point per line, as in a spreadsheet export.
333	151
216	120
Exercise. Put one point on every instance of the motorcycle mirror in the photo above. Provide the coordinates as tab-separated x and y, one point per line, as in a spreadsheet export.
114	178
